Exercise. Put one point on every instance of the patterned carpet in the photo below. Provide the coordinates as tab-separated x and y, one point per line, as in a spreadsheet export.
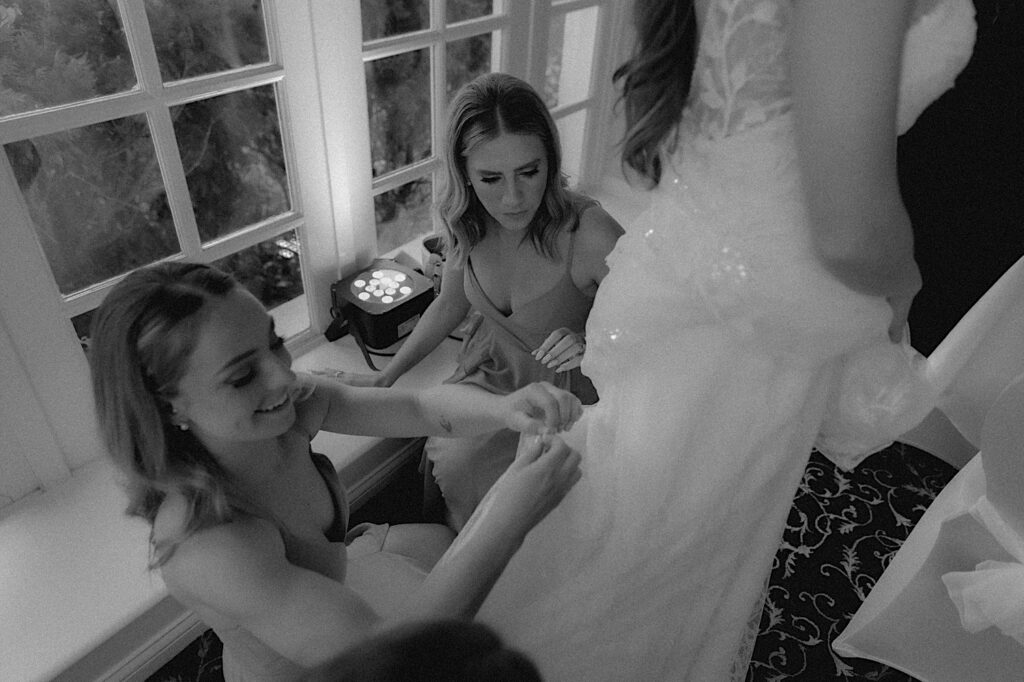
842	532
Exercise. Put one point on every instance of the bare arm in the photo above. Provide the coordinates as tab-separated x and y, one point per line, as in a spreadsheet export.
447	410
845	66
240	571
596	236
439	320
542	473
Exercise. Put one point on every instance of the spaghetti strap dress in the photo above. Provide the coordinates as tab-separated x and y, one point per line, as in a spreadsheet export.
384	579
721	350
496	356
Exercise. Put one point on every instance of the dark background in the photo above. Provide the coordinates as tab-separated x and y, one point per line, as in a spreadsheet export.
962	177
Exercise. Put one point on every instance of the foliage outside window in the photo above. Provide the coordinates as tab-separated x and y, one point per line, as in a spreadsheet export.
406	108
99	194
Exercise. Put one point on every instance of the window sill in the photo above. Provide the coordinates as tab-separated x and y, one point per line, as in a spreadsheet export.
77	599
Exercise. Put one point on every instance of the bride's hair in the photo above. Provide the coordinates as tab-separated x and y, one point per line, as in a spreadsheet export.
485	108
656	81
140	340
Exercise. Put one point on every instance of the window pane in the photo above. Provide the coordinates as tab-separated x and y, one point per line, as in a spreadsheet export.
234	164
570	134
96	197
570	57
398	93
403	214
270	270
467	59
55	53
382	18
199	37
461	10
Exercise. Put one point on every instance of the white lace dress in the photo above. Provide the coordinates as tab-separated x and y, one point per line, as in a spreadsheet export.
719	348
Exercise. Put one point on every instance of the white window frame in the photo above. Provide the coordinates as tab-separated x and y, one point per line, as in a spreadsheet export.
47	417
514	24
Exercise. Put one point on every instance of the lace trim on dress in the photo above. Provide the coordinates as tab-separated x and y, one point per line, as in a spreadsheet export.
740	76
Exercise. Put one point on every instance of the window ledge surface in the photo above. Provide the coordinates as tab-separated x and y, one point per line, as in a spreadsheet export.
73	573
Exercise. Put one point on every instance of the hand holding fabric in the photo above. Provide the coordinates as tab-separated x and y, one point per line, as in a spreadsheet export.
541	408
562	350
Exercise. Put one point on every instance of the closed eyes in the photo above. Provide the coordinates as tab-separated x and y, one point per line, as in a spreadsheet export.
491	179
246	378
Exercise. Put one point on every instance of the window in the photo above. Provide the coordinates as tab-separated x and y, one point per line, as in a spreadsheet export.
288	142
416	55
139	131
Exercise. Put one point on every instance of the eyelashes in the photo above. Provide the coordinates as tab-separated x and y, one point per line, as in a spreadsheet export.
490	180
276	346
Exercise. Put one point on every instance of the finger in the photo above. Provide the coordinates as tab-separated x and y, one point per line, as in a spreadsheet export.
572	363
569	409
528	424
571	465
544	406
574	412
550	341
567	346
530	448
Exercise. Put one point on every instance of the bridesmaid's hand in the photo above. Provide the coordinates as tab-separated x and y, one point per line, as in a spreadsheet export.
544	470
541	408
562	350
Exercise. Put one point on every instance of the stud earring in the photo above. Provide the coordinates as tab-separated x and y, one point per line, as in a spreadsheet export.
178	421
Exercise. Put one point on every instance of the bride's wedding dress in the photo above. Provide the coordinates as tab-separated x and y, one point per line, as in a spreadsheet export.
719	348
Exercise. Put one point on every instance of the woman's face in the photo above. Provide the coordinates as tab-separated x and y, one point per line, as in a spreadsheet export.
238	382
509	175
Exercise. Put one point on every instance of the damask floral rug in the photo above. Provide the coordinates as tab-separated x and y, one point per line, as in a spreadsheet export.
843	530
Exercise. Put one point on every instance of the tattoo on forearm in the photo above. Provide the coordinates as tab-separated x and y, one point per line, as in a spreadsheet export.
446	425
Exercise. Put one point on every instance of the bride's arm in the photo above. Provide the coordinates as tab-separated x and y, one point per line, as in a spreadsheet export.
845	68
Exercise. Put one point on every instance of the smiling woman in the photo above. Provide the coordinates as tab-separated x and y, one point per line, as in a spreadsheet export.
201	410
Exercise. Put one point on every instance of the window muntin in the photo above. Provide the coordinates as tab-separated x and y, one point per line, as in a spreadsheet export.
320	126
415	62
160	171
570	133
569	65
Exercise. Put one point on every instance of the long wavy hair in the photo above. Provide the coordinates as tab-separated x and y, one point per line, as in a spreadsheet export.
141	338
656	81
482	110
